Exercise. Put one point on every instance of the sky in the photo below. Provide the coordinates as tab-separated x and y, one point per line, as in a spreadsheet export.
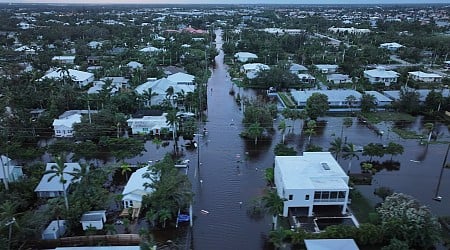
230	1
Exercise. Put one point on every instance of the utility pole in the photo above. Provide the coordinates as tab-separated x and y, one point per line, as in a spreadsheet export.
436	194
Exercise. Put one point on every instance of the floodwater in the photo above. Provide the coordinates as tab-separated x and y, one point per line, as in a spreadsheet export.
227	172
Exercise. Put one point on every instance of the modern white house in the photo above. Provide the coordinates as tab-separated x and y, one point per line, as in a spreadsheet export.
64	59
336	98
54	230
424	77
314	179
93	219
54	188
391	46
148	124
327	68
135	190
9	172
245	56
381	75
338	78
159	88
79	77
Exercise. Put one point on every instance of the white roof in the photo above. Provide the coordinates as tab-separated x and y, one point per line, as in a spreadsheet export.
134	64
331	244
151	49
160	86
245	55
336	95
76	75
98	86
60	58
297	67
6	164
380	97
307	172
326	66
424	74
306	76
67	121
55	185
255	66
134	190
53	226
381	73
181	78
152	122
391	45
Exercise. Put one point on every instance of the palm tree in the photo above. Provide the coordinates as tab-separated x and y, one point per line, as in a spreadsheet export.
349	153
310	129
254	131
169	93
125	168
282	128
164	215
148	94
173	120
336	147
274	204
64	73
59	170
429	126
350	100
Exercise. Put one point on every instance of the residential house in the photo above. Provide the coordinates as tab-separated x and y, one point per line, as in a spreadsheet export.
26	50
93	219
391	46
95	44
151	123
245	56
54	230
135	189
336	98
118	82
306	78
251	70
79	77
314	179
151	49
381	75
330	244
64	59
447	64
338	78
54	188
63	126
9	172
159	88
297	69
98	86
182	78
349	30
380	99
135	65
424	77
327	68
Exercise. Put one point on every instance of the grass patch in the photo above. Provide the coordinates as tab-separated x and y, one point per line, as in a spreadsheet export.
377	117
407	134
361	206
286	100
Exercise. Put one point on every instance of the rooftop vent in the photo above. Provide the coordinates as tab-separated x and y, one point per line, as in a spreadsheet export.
325	165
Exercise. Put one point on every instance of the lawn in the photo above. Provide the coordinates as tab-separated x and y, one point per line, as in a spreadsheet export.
377	117
286	100
361	206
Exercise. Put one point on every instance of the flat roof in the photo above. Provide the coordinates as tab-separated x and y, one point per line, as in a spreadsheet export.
338	95
331	244
313	170
380	97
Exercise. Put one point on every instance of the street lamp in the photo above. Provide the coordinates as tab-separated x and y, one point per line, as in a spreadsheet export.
9	223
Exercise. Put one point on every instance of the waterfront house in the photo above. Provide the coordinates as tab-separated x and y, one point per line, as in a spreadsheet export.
135	190
63	126
381	75
54	188
424	77
336	98
314	179
152	122
245	56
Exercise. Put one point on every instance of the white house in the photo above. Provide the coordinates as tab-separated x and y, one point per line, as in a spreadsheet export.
380	99
54	230
391	46
314	179
80	77
349	30
252	69
297	68
338	78
182	78
93	219
424	77
119	82
306	78
64	59
447	64
135	65
54	188
381	75
245	56
326	68
25	49
98	86
336	98
159	88
63	127
9	172
135	190
151	49
148	124
330	244
95	44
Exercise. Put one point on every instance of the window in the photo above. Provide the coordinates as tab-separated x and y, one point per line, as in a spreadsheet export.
341	194
333	195
145	129
316	195
291	197
325	195
307	197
